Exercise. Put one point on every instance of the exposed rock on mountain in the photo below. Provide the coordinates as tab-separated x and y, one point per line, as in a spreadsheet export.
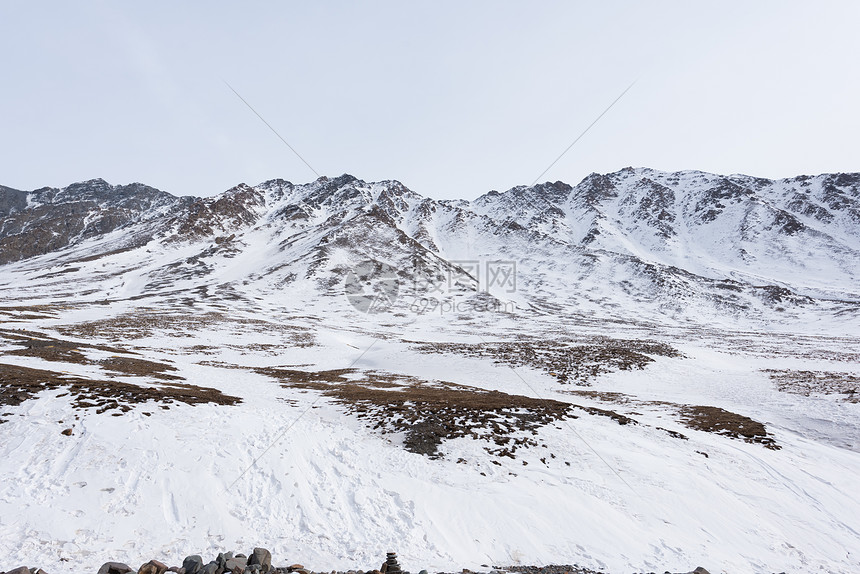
653	243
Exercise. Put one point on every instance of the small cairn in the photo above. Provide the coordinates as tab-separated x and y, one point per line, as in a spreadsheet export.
391	566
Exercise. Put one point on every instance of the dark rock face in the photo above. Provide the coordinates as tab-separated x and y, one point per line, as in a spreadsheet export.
11	200
49	219
230	210
595	189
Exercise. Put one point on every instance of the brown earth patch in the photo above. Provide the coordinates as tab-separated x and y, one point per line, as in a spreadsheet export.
39	345
809	383
720	421
146	322
18	384
139	368
577	364
427	413
703	418
27	312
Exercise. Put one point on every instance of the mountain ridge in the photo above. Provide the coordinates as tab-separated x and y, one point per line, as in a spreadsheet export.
657	242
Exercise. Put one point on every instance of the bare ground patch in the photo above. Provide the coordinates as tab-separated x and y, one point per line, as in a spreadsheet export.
808	383
18	384
703	418
146	322
40	345
723	422
27	312
577	364
429	413
139	368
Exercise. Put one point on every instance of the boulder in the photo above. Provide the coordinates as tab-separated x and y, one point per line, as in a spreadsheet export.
19	570
700	570
115	568
153	567
212	568
222	558
236	565
262	557
193	564
295	567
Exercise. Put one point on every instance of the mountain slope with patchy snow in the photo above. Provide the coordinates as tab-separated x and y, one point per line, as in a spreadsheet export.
647	371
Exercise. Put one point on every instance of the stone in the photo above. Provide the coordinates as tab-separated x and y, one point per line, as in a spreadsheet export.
700	570
236	565
19	570
262	557
177	569
222	558
193	564
212	568
423	572
153	567
115	568
295	567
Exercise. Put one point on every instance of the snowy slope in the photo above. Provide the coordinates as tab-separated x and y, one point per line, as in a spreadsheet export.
647	371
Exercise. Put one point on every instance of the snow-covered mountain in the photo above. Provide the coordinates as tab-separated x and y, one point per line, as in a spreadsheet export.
638	243
646	371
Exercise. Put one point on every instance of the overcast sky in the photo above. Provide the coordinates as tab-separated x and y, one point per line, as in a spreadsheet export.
451	98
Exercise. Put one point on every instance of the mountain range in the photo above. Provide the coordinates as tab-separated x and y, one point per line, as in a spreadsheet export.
642	244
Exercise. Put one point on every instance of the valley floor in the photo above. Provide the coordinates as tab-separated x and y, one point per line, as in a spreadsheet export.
137	429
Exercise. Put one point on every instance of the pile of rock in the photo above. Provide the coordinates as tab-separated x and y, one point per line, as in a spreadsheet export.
258	562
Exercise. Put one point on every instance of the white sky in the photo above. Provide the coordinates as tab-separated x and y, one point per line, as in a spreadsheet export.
451	98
